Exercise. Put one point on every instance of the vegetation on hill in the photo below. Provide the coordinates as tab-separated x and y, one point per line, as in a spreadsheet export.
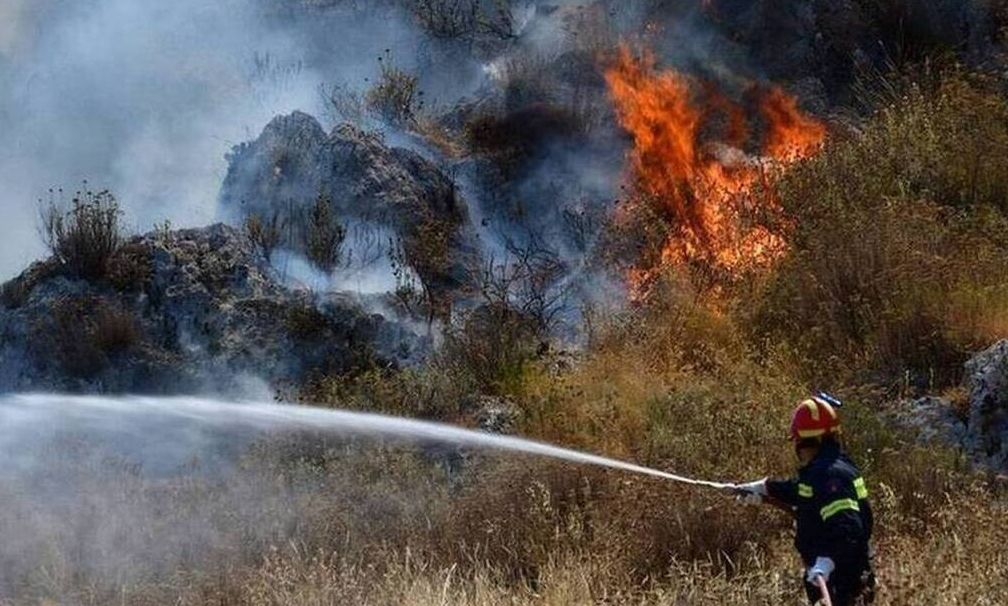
891	277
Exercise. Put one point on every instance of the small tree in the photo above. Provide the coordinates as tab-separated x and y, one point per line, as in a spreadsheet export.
324	236
265	235
85	237
417	264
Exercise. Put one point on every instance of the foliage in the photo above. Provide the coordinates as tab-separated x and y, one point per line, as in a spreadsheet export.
84	237
81	335
129	268
419	263
324	235
265	234
897	243
396	96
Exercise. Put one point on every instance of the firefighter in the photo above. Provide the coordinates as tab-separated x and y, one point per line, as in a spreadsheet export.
830	504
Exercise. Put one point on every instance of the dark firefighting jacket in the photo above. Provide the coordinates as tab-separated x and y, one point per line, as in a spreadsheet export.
832	513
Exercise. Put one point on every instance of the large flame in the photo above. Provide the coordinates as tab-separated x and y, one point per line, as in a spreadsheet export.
689	165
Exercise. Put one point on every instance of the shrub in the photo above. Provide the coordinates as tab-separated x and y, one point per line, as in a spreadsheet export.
897	241
421	263
114	329
86	236
396	96
82	334
324	236
265	234
465	19
129	268
306	323
491	345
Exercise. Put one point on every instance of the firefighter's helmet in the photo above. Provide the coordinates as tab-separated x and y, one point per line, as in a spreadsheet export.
815	417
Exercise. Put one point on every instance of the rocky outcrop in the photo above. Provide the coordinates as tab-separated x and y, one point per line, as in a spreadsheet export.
980	430
294	161
196	309
987	428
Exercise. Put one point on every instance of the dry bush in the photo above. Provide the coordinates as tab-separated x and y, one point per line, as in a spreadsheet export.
324	235
395	96
436	392
466	20
84	237
491	346
82	334
129	268
897	241
421	265
114	329
265	234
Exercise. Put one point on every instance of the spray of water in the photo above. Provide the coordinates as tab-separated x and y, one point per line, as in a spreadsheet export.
90	413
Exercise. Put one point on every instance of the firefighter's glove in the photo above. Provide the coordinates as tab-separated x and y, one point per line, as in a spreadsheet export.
751	493
823	567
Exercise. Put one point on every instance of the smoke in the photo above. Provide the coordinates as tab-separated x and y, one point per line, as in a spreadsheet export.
122	496
145	98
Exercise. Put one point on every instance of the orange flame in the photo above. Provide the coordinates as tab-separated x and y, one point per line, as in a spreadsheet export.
688	163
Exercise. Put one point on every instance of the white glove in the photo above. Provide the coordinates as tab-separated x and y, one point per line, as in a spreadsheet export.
751	493
823	567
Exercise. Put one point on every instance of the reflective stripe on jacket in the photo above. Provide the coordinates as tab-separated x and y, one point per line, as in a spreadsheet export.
832	512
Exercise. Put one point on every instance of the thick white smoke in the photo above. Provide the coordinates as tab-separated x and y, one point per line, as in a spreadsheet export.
145	97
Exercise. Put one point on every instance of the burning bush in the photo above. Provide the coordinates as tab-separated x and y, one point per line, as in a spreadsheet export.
692	170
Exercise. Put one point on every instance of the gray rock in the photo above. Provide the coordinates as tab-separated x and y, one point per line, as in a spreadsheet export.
934	419
293	161
981	431
210	314
495	414
987	431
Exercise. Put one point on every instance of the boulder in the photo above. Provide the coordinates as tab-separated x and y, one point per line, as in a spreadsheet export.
934	419
293	161
987	429
203	311
979	426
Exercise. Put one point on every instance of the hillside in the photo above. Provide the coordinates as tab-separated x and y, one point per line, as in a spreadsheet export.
639	229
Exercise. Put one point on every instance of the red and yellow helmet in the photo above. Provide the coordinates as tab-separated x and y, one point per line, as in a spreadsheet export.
815	417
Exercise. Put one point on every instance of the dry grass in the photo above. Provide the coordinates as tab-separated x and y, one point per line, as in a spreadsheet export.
898	244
